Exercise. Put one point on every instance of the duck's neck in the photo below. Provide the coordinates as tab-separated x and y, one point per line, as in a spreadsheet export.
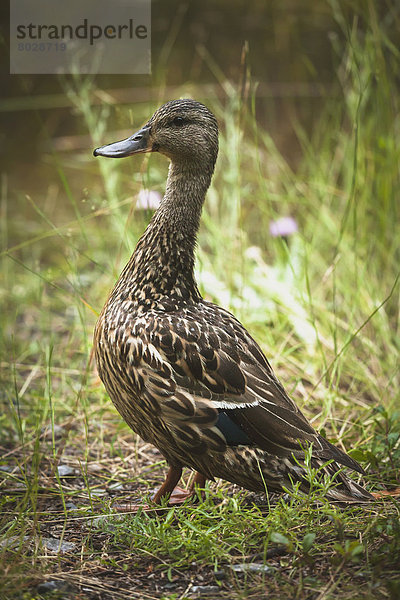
161	269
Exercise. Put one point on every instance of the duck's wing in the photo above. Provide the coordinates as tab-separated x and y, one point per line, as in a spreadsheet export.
223	384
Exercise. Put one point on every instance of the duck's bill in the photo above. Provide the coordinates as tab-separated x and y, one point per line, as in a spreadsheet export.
136	143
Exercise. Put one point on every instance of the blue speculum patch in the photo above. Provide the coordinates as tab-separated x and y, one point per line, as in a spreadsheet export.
234	435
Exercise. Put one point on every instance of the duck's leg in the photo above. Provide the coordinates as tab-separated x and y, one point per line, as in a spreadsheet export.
199	480
169	488
178	496
169	485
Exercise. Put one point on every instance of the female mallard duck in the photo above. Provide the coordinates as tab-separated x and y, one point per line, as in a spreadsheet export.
184	373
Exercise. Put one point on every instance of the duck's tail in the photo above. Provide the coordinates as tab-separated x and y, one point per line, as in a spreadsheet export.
349	491
343	488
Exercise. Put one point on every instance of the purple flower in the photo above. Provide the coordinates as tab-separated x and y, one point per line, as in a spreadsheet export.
283	227
148	200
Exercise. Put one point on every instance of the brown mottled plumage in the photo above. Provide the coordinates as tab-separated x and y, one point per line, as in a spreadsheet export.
184	373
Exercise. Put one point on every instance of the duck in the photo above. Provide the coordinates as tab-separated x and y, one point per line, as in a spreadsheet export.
183	372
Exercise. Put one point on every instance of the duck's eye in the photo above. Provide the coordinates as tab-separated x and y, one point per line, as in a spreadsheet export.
178	121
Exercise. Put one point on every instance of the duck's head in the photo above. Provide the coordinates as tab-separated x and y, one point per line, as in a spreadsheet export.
184	130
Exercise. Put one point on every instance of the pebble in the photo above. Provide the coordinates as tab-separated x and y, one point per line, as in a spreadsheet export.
13	541
51	586
204	589
251	568
51	544
65	470
54	545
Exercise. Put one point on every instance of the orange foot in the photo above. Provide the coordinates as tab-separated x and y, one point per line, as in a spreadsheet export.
385	493
169	488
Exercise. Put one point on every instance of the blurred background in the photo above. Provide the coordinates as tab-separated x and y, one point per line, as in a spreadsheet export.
294	52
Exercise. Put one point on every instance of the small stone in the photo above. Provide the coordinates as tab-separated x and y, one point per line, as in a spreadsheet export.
70	506
204	589
251	568
12	542
51	586
65	470
54	545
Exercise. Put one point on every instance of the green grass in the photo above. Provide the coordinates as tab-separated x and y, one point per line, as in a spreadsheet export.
324	306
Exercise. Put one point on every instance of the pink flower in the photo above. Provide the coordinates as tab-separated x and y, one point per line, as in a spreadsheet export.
148	200
283	227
